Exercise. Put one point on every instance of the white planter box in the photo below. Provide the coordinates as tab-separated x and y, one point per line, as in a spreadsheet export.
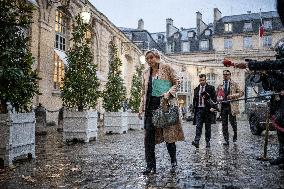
115	122
80	125
17	136
134	122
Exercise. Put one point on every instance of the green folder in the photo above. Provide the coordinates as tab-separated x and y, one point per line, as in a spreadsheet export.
159	87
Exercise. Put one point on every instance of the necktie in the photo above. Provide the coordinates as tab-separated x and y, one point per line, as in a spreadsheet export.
200	97
226	87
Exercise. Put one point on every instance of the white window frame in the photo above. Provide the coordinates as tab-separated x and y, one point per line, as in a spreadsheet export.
211	79
228	43
267	24
247	42
204	45
228	27
267	41
185	86
60	30
247	26
185	46
190	34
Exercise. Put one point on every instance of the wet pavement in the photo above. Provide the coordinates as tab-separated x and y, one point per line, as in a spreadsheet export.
116	162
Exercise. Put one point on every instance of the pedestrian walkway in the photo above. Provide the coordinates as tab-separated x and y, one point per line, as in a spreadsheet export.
116	162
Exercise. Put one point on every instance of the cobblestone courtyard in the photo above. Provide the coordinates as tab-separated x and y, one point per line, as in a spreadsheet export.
116	161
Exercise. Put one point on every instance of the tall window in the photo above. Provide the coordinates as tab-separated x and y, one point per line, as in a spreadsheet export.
60	30
60	44
185	86
185	46
228	27
247	42
267	41
211	79
58	75
228	43
110	57
204	45
172	46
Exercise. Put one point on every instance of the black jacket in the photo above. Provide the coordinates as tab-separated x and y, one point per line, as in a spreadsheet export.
266	64
210	90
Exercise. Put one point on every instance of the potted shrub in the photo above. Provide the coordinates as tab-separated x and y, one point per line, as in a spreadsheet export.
80	89
19	82
134	102
114	94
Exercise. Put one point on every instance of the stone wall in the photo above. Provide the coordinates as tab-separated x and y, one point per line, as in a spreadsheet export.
43	44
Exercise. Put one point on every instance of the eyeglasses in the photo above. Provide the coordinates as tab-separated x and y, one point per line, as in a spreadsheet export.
149	58
226	74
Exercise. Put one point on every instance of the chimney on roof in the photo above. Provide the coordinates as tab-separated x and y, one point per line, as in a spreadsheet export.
140	24
198	22
169	24
216	16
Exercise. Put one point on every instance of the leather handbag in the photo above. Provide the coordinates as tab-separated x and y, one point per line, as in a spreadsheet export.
164	117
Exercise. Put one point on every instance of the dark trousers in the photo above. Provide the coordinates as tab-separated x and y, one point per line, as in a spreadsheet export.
279	133
203	116
225	114
149	142
281	143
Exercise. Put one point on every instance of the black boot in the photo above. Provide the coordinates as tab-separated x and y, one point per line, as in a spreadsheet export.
174	166
149	170
235	137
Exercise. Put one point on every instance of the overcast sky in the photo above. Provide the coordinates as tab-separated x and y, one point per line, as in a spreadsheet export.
126	13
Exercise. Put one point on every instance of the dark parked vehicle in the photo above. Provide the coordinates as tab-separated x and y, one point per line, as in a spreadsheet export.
257	115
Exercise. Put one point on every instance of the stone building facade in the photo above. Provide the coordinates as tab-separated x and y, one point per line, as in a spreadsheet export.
235	38
202	49
50	39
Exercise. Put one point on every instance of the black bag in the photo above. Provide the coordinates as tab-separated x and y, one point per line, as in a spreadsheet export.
165	117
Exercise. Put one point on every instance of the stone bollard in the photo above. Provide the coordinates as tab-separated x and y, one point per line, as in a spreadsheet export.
40	115
60	120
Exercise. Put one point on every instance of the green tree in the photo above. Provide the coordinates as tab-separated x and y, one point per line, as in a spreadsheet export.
134	101
114	93
18	81
80	89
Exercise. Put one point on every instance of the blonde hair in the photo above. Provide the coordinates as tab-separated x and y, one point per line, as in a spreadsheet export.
155	52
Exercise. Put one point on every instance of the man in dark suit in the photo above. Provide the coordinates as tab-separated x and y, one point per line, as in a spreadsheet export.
203	110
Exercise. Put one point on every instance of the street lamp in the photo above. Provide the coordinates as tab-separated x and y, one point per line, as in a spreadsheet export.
142	59
85	15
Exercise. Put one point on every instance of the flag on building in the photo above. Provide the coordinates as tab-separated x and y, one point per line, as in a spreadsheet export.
261	30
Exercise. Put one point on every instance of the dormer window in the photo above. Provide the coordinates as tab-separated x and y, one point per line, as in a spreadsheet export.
248	26
204	45
228	27
160	38
267	24
190	34
176	36
207	32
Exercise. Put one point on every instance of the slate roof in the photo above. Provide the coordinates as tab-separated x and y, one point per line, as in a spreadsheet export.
251	16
